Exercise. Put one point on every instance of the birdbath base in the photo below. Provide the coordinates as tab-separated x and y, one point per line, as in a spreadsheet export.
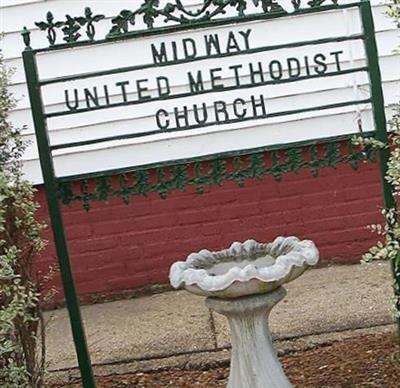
254	363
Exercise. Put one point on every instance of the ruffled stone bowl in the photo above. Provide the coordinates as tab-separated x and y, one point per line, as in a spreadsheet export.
244	283
245	268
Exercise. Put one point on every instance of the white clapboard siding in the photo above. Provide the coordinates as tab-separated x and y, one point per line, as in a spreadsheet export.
194	142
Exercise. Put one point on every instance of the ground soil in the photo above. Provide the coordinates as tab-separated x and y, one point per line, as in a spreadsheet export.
368	361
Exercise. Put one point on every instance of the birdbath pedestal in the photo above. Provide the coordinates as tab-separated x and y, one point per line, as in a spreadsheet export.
244	282
253	359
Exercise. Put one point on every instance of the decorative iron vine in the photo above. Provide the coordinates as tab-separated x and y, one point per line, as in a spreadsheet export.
201	174
70	27
150	11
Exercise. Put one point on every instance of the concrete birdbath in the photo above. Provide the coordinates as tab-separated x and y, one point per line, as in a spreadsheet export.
243	283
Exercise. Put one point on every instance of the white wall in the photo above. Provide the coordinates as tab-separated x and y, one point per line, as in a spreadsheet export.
217	138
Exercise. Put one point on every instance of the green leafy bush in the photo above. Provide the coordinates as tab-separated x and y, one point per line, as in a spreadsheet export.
22	353
389	246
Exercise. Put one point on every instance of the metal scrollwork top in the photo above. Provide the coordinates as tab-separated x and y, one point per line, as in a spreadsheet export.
173	12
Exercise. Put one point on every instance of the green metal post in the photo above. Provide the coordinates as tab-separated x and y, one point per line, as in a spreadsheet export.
50	183
378	108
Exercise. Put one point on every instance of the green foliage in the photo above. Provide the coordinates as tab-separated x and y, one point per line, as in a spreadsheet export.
21	323
394	12
389	245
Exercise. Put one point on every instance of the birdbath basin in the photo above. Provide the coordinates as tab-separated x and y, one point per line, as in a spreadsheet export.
243	283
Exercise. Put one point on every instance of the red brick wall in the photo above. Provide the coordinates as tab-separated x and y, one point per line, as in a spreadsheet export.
115	247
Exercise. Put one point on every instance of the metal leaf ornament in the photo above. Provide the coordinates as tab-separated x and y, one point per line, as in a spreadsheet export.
296	4
240	5
70	29
89	20
50	27
202	174
122	21
271	6
149	11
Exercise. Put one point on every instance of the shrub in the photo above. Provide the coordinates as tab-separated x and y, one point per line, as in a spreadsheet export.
389	246
22	350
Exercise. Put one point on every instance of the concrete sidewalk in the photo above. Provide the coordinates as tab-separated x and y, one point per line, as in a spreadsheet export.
176	328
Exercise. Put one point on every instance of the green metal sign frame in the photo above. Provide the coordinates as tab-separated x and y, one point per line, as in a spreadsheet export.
201	171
